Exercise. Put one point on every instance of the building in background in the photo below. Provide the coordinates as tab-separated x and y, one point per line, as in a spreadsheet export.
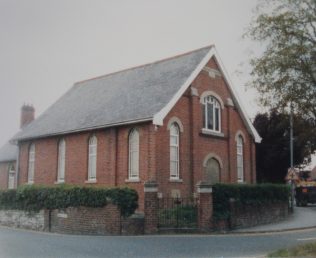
9	153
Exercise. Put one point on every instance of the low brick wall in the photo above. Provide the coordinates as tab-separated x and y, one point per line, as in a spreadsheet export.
133	225
243	216
23	219
79	220
85	220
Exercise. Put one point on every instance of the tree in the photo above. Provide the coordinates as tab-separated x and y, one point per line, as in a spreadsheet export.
273	153
285	73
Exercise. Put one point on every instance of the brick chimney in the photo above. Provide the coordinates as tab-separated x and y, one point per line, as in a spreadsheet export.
27	115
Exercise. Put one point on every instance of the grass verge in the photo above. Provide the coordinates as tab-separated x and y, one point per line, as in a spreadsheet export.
306	250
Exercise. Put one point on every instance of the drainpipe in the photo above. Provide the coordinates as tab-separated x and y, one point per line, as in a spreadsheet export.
116	155
291	156
191	184
17	165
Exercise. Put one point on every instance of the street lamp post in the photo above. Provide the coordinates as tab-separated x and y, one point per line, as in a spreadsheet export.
291	155
291	137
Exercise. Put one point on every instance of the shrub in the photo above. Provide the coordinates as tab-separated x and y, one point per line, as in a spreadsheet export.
246	195
8	199
35	198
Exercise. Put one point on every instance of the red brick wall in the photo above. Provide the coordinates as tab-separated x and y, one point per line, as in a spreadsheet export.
193	150
85	220
244	216
75	220
112	158
4	174
27	115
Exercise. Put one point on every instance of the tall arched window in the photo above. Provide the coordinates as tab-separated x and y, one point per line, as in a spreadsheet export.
240	159
11	181
61	161
133	164
212	171
174	151
31	165
211	114
92	164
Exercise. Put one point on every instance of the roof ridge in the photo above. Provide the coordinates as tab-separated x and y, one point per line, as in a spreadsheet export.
143	65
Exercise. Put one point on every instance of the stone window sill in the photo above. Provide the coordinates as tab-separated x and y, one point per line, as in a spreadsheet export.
91	181
132	180
59	182
174	180
212	133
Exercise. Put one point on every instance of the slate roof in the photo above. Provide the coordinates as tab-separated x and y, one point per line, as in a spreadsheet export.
144	93
8	152
131	95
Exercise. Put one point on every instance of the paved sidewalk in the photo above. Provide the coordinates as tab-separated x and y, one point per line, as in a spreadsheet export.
303	217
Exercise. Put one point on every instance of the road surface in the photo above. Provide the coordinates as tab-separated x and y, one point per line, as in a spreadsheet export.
23	243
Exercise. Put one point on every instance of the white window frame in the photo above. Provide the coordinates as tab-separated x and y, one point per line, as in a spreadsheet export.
11	177
133	155
31	164
61	161
210	99
92	158
174	133
240	157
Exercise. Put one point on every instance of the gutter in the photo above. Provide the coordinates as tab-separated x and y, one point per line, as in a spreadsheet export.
17	168
15	140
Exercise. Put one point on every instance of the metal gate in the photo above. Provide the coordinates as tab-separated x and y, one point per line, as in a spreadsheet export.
177	213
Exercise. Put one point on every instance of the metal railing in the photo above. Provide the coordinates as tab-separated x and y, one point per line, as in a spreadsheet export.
177	213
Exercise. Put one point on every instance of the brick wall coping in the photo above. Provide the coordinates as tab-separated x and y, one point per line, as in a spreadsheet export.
150	187
204	187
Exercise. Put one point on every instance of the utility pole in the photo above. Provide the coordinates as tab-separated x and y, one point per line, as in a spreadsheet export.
291	136
291	156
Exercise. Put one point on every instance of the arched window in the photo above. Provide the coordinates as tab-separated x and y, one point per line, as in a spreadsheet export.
240	159
11	180
61	161
211	114
174	151
92	164
212	171
31	165
133	164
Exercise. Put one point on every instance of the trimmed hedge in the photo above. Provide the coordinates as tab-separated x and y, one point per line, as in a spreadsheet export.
35	198
246	195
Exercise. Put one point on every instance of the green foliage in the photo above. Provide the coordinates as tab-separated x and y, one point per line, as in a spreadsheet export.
180	216
35	198
8	199
285	72
246	195
306	250
273	153
125	198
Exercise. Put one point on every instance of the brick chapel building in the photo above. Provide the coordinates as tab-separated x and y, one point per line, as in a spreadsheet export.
176	122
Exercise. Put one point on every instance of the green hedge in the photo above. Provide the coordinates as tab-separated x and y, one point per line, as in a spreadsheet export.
246	195
35	198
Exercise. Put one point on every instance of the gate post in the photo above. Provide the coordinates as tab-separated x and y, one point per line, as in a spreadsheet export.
205	206
151	207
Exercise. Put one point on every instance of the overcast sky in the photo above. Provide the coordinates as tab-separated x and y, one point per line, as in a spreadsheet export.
47	46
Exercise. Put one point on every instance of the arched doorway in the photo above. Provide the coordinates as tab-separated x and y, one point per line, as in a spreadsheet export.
212	171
